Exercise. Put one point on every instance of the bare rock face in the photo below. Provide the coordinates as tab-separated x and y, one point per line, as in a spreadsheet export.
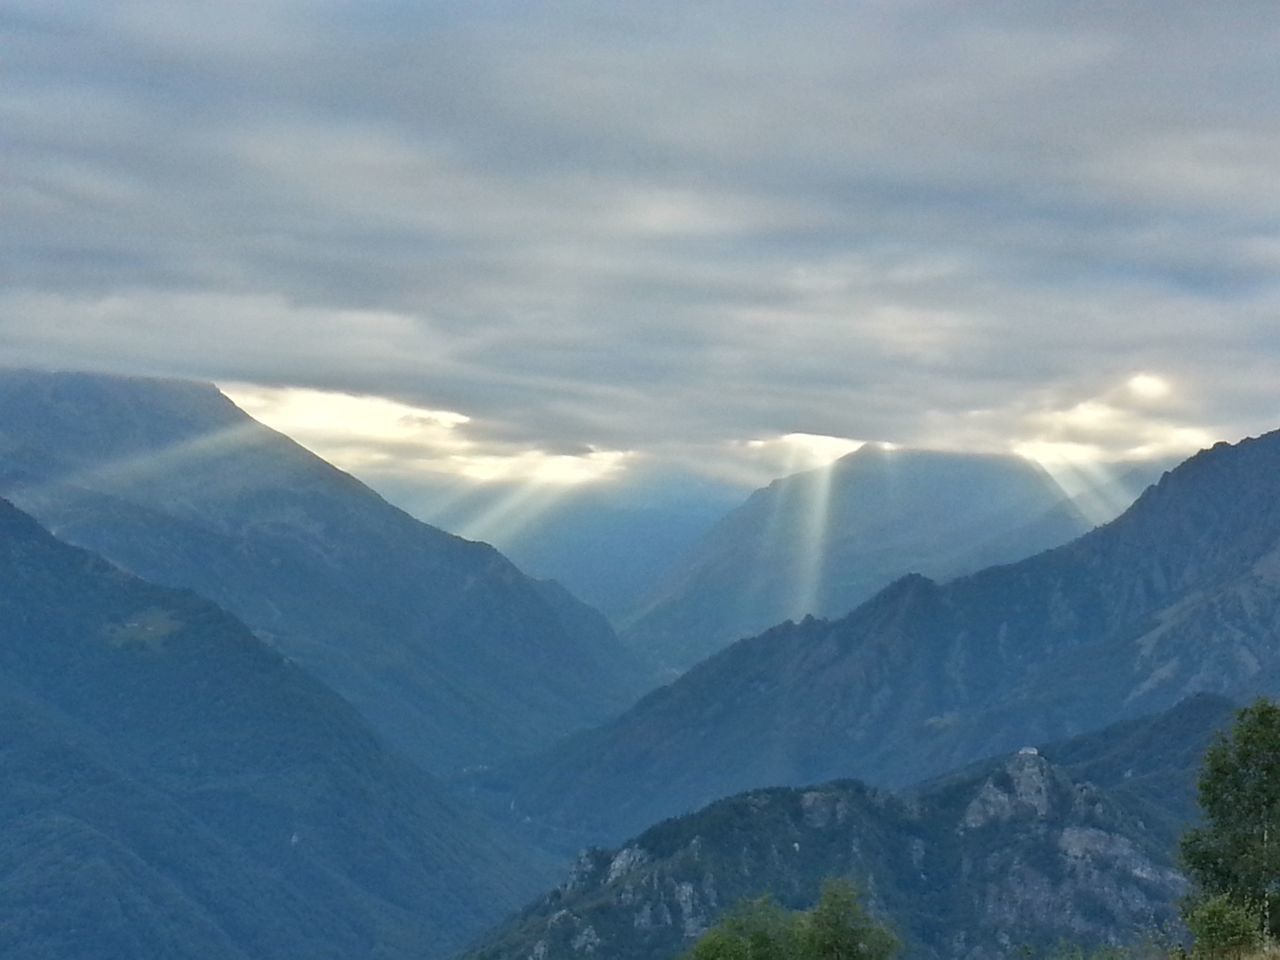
980	866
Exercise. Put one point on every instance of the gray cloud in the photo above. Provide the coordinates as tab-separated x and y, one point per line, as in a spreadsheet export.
656	226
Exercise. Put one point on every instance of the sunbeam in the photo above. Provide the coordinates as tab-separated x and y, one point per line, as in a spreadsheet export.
814	502
503	520
120	475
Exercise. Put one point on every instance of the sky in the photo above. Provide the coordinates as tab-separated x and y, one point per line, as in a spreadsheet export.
563	241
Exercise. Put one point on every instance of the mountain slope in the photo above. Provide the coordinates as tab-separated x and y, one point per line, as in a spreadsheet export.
1180	594
453	653
175	788
1011	856
823	541
609	543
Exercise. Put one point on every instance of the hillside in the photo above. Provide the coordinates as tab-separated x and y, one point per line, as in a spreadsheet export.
823	541
175	788
1024	852
450	651
1178	595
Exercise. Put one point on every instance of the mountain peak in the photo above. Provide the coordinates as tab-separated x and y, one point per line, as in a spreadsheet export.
453	653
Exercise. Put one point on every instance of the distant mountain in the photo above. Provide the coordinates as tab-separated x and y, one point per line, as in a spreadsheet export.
451	651
1178	595
1023	853
1151	764
173	788
824	541
610	543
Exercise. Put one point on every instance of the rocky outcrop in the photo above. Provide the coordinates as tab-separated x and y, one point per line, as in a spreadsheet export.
1016	854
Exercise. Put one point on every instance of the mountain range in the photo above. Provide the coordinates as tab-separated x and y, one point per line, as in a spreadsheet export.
609	542
175	788
823	541
1070	844
453	653
1179	594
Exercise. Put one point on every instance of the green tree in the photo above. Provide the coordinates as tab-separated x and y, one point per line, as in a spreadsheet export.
837	928
1236	853
755	930
1223	928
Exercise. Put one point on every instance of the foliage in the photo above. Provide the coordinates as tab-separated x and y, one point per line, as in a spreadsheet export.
1236	854
837	928
1224	927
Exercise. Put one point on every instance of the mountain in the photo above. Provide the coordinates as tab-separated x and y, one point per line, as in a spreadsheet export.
453	654
174	788
1151	764
1180	594
823	541
1014	855
609	542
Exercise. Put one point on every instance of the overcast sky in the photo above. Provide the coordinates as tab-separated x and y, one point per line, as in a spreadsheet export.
600	233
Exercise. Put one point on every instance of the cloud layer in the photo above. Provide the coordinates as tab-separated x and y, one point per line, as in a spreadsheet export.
660	228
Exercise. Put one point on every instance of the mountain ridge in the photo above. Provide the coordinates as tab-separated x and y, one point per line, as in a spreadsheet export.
822	541
1012	854
1179	594
446	646
176	788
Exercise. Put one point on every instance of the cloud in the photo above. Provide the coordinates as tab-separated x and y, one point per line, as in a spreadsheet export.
659	228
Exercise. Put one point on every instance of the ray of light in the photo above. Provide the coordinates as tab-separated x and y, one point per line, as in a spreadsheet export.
503	520
1083	476
814	502
120	474
771	549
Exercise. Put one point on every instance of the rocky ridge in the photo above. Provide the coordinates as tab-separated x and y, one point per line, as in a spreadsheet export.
1016	854
1180	594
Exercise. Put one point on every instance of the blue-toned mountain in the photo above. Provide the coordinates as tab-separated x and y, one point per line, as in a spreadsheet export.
174	788
443	644
823	541
1179	594
1014	855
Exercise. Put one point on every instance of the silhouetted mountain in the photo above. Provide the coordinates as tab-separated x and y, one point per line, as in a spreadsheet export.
174	788
453	653
1008	855
1178	595
823	541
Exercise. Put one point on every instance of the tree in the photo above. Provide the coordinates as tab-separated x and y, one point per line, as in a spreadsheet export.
1223	928
756	930
837	928
1236	853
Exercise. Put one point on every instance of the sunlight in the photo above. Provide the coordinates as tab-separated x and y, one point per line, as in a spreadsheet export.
815	509
539	467
129	471
1147	386
346	425
769	549
508	516
795	530
355	432
1082	476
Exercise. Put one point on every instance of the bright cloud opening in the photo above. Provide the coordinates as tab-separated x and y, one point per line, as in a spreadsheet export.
357	432
1146	386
